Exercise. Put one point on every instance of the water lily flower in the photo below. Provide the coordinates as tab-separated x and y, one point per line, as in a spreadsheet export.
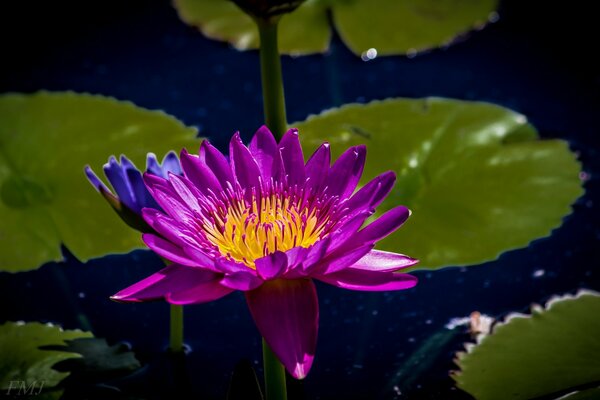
130	193
268	224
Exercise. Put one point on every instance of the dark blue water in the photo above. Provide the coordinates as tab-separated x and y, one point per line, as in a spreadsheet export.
535	60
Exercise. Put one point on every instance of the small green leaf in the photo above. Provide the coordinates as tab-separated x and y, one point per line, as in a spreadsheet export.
390	26
551	352
21	358
99	361
475	175
46	139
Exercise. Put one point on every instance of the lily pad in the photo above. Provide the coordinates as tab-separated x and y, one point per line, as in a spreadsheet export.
390	26
476	176
23	361
551	353
46	139
99	361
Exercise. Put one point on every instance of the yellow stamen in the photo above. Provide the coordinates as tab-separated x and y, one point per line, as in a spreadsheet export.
252	231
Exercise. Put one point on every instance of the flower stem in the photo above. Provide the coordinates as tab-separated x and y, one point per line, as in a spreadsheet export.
272	81
176	340
274	375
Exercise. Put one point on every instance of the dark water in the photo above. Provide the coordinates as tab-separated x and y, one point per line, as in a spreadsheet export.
535	60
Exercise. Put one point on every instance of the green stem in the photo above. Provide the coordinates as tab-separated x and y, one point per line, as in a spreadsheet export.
272	81
176	341
274	375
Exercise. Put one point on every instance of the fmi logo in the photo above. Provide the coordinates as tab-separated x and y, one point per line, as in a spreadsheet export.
24	388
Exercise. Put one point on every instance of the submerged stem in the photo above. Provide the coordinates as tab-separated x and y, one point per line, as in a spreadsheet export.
274	375
272	80
176	340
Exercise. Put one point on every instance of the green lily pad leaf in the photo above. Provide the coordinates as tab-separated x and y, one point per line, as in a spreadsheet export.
99	361
46	139
305	31
552	352
22	359
476	176
389	26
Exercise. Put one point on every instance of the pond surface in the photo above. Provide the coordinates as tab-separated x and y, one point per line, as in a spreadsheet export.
366	340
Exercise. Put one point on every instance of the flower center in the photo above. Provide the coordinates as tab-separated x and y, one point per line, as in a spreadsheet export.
245	230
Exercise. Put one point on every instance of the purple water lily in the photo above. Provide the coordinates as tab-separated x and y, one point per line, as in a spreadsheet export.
267	224
130	193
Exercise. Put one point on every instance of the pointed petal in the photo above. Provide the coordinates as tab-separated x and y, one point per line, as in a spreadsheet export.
370	281
293	160
272	265
264	150
152	165
286	313
317	167
217	162
382	226
174	278
116	176
94	180
243	164
373	193
168	250
346	172
143	198
199	173
170	163
377	260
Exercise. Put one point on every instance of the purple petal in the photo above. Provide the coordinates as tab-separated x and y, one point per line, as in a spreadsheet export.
168	250
373	193
152	165
382	226
286	313
186	190
342	259
174	278
377	260
154	181
346	172
201	293
241	280
171	164
317	167
243	164
217	162
293	160
95	181
116	176
371	281
172	230
199	173
143	198
264	150
272	265
347	229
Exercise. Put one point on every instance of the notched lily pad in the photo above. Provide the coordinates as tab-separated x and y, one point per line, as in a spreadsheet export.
550	353
476	176
46	139
98	361
390	26
22	360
